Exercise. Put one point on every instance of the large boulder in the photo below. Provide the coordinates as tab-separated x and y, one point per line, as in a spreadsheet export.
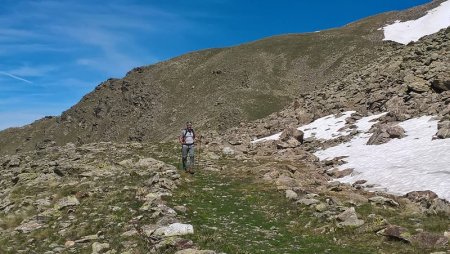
395	131
349	218
417	84
292	132
420	196
396	233
385	132
441	82
290	143
443	129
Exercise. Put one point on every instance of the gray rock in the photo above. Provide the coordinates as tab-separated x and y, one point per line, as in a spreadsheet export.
340	173
290	143
417	84
378	137
67	201
307	201
131	232
443	130
29	226
292	133
98	248
126	163
419	196
14	162
150	163
228	151
385	132
441	82
396	232
149	229
439	206
395	131
180	208
321	207
290	194
379	200
175	229
349	218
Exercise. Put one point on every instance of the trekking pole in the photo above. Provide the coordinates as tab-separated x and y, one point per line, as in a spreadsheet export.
181	159
199	150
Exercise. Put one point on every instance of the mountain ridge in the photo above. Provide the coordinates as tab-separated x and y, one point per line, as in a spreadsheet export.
259	78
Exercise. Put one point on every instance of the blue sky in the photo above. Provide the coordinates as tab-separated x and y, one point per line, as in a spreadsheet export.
54	52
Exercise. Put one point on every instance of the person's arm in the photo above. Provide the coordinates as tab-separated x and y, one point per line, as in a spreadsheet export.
180	138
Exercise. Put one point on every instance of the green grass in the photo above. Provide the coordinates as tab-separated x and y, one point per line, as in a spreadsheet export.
250	218
264	104
234	213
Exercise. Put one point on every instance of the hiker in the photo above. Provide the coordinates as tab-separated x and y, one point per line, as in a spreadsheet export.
187	140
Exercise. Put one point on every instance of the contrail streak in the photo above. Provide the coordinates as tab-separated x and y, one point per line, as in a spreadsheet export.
15	77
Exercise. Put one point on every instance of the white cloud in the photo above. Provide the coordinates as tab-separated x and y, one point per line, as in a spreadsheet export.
15	77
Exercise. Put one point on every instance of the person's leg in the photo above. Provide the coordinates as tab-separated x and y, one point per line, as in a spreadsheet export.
191	155
184	153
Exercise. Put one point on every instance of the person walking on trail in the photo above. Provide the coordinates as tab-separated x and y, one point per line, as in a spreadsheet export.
187	140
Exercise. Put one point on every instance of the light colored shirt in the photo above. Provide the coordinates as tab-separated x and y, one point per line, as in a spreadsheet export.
188	136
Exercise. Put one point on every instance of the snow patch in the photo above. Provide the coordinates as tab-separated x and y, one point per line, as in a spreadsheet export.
327	127
415	162
405	32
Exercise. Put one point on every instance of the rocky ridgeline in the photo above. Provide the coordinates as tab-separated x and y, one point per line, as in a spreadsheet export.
99	198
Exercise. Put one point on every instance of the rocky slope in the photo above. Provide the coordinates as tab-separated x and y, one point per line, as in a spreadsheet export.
106	197
215	88
112	198
96	198
408	81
